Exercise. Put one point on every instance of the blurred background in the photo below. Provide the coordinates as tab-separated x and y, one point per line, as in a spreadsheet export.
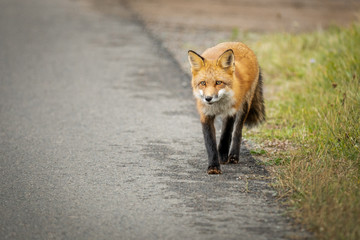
189	24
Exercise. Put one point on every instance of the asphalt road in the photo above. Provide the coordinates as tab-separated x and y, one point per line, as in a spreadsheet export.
99	138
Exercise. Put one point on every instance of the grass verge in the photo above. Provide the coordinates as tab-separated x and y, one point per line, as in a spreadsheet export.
312	84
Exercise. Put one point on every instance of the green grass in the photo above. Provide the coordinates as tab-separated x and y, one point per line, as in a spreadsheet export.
312	90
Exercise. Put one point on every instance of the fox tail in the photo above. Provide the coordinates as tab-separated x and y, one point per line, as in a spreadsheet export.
256	113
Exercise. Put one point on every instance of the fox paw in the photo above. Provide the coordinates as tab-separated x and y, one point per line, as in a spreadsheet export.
224	160
214	170
233	159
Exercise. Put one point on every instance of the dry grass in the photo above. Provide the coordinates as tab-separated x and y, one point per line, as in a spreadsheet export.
314	114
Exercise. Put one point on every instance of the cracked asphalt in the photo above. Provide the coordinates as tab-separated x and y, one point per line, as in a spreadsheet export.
99	137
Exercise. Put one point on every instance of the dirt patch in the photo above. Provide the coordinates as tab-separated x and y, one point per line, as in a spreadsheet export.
197	25
258	15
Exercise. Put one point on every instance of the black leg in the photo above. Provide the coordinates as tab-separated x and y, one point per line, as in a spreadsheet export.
236	140
210	144
225	139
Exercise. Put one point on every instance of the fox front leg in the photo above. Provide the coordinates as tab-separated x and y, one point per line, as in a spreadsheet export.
237	136
236	141
208	129
225	139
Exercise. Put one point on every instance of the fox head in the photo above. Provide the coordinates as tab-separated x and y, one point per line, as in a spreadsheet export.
212	79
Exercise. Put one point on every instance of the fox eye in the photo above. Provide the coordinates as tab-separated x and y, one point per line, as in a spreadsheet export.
203	83
218	82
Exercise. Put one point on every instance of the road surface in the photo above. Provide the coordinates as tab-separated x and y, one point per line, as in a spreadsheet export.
99	138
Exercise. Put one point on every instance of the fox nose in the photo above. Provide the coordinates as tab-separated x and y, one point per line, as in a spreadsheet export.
208	98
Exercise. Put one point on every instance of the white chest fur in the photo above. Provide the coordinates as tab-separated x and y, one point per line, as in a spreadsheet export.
224	107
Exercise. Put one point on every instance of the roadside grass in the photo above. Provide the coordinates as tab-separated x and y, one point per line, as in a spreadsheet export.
312	133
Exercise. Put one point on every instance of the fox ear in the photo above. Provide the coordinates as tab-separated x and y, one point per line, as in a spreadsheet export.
196	61
226	59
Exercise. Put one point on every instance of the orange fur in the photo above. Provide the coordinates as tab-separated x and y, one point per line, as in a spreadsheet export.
227	82
241	79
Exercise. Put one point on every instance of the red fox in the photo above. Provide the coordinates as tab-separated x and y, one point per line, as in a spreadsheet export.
226	82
